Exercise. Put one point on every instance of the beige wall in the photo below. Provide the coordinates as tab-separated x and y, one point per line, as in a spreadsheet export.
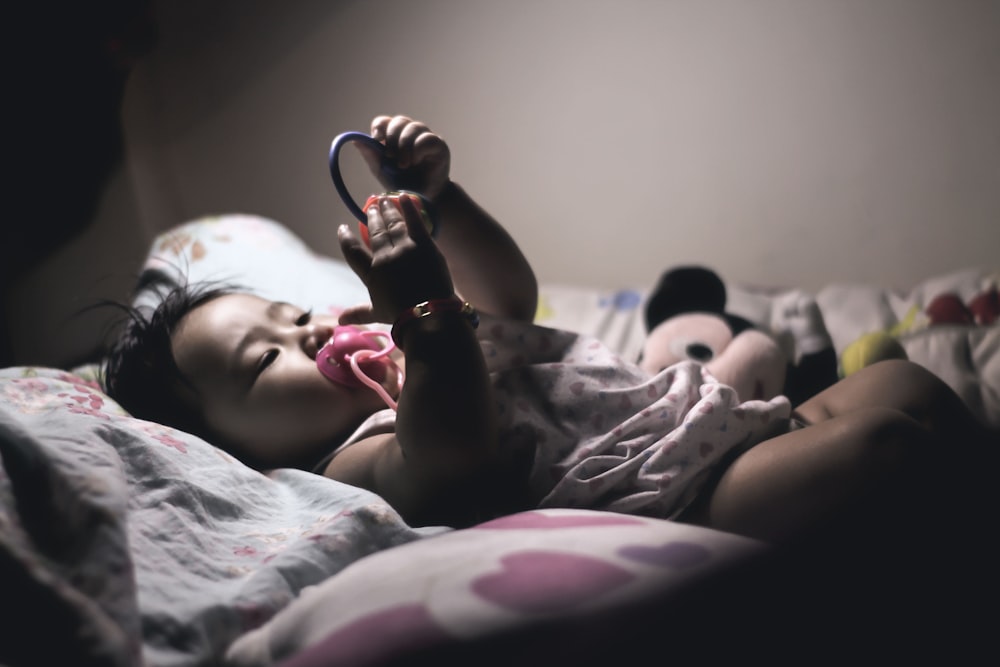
784	142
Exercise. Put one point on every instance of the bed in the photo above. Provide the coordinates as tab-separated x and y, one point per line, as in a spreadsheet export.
123	542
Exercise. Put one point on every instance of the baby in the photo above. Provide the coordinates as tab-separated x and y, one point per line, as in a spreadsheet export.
507	415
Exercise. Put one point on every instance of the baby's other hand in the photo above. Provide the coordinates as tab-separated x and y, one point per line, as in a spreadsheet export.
403	267
423	156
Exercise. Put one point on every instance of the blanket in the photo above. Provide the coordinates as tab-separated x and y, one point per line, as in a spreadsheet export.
123	542
148	545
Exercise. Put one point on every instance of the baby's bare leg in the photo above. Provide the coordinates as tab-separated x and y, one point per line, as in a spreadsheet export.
893	433
793	482
886	505
875	549
904	386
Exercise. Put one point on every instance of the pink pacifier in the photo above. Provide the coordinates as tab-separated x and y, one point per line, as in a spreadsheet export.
353	358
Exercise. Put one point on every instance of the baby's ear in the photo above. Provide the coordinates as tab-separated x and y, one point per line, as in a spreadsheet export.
685	289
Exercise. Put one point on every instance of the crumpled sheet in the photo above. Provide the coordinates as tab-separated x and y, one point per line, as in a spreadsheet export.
123	542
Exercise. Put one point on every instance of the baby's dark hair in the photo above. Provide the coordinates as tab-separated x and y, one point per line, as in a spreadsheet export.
140	372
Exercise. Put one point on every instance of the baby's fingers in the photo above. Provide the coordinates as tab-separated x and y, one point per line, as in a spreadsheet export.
414	218
379	125
357	256
430	148
388	129
360	314
387	227
411	136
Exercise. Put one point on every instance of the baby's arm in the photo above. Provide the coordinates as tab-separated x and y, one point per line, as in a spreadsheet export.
445	423
486	264
488	267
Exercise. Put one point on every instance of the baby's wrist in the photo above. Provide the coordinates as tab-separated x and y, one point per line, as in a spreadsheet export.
447	190
433	308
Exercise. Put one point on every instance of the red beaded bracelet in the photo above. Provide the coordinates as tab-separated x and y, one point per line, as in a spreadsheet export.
432	307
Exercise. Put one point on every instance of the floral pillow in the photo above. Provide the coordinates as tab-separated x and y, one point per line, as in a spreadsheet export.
255	253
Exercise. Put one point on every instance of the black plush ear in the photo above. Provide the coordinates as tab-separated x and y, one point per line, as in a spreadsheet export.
685	289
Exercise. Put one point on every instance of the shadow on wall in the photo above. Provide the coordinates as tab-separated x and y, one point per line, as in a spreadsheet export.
65	93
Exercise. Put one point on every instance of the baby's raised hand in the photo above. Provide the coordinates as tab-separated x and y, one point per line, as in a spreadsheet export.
423	156
403	267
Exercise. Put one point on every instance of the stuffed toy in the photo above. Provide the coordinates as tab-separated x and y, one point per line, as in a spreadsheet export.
686	318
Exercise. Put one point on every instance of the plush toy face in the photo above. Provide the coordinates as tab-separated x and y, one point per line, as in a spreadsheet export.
751	362
696	336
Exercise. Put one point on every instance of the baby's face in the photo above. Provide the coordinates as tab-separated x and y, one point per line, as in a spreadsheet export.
252	363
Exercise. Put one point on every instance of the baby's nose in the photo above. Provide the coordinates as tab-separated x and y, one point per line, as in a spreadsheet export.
314	338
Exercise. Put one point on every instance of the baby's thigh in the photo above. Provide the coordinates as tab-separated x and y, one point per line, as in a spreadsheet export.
894	384
786	484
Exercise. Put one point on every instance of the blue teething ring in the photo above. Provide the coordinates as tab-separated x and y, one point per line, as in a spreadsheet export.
390	171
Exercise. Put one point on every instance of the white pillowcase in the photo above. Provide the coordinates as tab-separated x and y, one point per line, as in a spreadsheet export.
255	253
